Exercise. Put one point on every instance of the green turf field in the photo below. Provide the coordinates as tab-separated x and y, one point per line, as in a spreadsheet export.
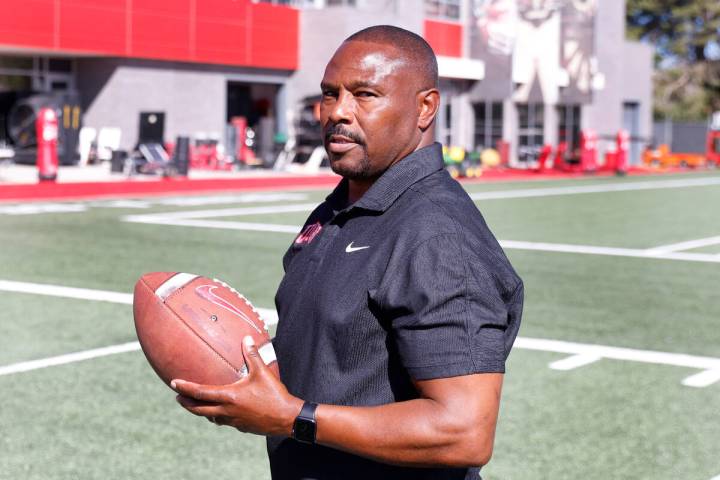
622	318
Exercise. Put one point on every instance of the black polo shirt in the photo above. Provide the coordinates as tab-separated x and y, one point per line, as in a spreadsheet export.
406	284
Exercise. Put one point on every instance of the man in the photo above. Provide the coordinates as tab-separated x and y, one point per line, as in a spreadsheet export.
398	308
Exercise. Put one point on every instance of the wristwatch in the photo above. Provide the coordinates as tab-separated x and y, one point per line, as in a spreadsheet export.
305	425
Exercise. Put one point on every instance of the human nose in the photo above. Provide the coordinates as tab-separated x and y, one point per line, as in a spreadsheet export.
342	110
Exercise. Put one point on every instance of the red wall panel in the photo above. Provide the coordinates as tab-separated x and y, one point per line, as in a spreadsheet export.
224	10
27	22
97	26
231	32
271	36
220	42
161	32
444	37
222	31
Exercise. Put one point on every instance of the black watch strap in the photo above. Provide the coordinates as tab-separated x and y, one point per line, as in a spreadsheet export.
305	426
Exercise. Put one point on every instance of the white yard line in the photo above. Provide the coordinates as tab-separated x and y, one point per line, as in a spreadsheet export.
193	200
36	208
269	315
217	224
223	212
581	353
66	292
709	365
702	379
574	361
596	188
611	251
688	245
68	358
184	201
199	219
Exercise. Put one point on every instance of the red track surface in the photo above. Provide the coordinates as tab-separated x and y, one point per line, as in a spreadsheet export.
129	188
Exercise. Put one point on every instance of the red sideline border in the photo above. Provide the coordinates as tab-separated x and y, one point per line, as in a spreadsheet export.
46	191
128	188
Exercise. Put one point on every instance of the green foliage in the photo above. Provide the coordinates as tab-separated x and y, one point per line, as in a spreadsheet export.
686	36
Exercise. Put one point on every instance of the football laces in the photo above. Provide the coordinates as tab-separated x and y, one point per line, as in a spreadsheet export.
247	302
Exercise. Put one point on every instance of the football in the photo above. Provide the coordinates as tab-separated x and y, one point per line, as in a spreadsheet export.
191	327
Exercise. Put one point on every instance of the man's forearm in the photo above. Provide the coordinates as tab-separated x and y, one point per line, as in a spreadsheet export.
421	432
412	433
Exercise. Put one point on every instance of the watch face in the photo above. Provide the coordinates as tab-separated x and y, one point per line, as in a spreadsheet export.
304	430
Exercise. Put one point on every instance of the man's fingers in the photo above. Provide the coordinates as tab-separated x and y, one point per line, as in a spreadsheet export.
205	393
252	357
188	402
200	408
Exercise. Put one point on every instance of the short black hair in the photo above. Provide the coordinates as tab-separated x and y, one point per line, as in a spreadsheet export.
410	44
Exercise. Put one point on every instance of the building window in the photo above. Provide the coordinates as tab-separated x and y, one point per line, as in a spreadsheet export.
488	124
15	82
36	73
530	133
569	130
448	9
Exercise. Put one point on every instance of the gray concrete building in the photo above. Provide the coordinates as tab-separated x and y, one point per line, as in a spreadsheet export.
517	73
527	73
197	99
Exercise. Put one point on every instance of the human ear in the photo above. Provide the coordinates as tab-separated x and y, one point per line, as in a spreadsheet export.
428	104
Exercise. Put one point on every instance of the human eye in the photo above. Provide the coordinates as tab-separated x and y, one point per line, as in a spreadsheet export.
329	93
365	94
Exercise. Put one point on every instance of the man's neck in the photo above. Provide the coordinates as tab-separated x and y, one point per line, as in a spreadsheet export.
357	188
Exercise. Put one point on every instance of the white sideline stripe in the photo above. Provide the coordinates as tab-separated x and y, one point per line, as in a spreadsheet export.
220	224
619	353
34	209
66	292
611	251
586	351
628	354
161	219
574	361
689	245
702	379
507	244
190	201
268	315
222	212
716	478
69	358
267	353
598	188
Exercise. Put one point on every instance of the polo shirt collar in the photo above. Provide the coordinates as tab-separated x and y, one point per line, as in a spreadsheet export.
394	182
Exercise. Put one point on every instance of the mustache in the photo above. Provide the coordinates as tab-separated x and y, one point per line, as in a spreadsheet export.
338	129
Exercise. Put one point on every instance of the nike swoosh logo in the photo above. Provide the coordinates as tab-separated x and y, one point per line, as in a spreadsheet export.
206	292
350	248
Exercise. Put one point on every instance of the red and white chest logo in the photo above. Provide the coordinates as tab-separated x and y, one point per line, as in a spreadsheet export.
308	233
206	292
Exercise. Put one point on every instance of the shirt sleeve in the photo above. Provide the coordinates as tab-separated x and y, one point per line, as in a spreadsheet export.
449	314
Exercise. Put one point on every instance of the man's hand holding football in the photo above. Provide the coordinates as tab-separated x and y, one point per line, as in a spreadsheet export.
258	403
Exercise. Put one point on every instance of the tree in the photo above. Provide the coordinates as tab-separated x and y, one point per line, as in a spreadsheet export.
686	36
